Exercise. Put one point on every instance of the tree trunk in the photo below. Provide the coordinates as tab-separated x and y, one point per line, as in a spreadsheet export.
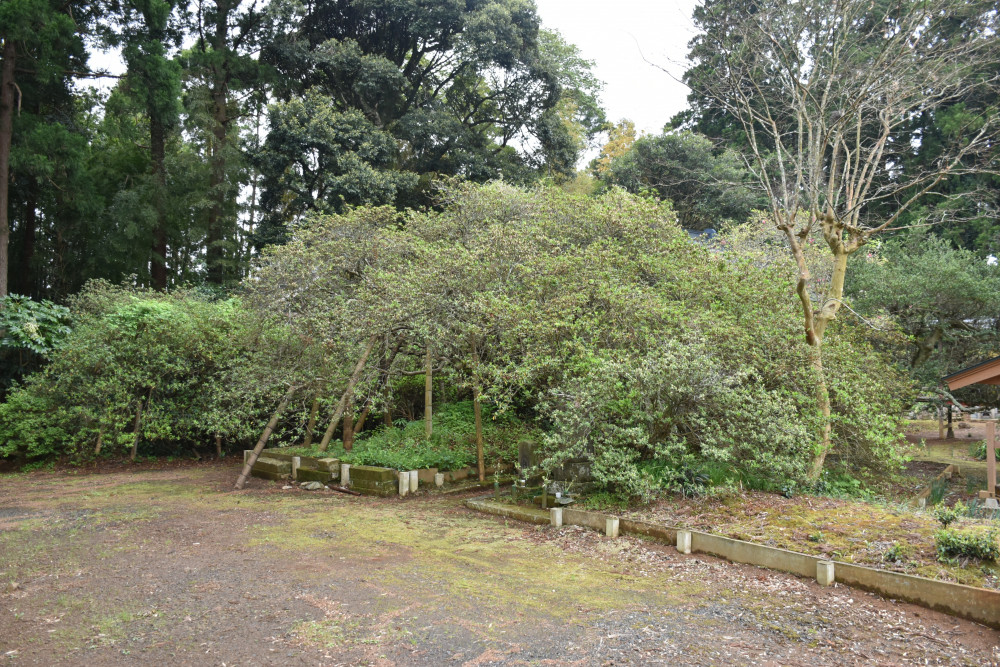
311	424
100	441
7	104
218	446
339	412
360	423
477	410
135	430
349	423
218	227
815	328
158	151
925	347
428	394
384	367
268	430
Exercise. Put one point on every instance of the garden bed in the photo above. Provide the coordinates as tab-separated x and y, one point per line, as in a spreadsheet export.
878	535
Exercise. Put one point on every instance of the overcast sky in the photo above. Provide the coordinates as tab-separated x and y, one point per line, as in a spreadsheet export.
616	35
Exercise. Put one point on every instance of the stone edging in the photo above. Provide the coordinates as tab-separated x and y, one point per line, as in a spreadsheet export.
975	604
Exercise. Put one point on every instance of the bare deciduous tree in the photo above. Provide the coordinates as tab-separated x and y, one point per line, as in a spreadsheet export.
823	92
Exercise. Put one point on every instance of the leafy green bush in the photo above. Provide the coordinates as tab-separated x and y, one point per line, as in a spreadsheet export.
977	450
953	543
452	445
178	365
948	515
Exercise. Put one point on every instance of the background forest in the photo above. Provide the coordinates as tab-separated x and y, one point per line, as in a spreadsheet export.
315	204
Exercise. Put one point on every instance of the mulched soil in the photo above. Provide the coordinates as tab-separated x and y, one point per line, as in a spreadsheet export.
170	566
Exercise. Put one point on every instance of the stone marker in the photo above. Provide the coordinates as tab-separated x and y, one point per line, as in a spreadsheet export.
345	474
296	462
414	480
404	483
555	517
684	541
824	572
439	479
611	527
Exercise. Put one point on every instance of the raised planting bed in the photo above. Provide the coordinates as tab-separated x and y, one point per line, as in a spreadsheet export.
878	535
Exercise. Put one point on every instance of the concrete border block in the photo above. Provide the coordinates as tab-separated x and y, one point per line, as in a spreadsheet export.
404	483
555	517
825	575
611	526
684	541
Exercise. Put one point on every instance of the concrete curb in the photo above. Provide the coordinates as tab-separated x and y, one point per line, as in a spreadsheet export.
975	604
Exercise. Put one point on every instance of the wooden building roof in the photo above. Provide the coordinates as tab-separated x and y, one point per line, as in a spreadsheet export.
988	372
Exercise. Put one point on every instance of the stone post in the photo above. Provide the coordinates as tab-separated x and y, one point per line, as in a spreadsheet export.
555	517
439	479
611	527
404	483
824	573
296	462
414	480
684	541
991	458
345	474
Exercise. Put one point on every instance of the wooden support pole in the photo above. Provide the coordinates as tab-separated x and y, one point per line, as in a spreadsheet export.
478	412
940	415
311	425
252	458
339	412
951	431
991	458
428	394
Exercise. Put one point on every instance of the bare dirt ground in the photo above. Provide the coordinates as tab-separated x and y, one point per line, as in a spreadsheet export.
171	567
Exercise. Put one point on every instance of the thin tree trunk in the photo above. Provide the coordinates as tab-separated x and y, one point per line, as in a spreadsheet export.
218	446
349	423
100	441
268	430
925	347
359	425
428	394
387	409
339	412
7	105
135	430
384	367
218	227
478	411
311	424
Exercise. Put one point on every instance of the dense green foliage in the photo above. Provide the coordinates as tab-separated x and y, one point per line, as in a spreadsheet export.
234	118
946	300
166	371
597	317
953	544
707	186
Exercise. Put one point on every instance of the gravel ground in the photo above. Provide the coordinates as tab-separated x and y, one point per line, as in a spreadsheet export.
171	567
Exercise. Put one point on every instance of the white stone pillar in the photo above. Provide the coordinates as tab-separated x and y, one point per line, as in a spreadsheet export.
404	483
345	474
684	541
555	517
824	573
